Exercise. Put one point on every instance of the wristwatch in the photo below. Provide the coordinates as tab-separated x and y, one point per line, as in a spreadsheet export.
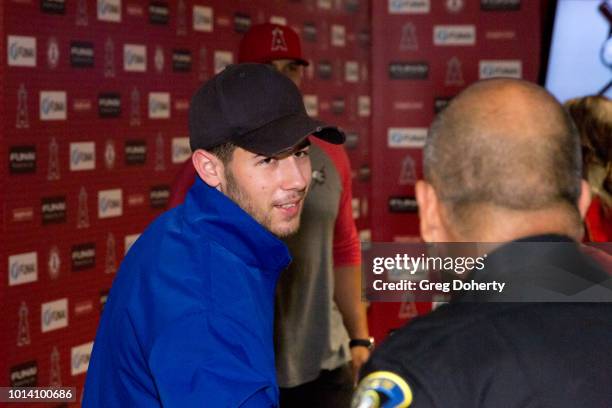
368	343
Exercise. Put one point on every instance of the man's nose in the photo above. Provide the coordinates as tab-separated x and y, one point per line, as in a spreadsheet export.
296	173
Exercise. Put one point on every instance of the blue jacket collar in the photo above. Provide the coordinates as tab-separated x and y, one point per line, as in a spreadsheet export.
213	213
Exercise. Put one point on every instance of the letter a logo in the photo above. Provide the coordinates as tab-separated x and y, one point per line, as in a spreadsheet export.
278	40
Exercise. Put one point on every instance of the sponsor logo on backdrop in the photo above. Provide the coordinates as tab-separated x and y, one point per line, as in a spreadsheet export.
22	121
110	263
181	18
109	154
338	106
324	4
134	58
440	103
158	13
409	70
202	18
21	51
24	374
409	6
309	32
23	214
408	105
54	315
82	156
109	105
135	107
403	204
81	105
110	203
408	176
351	6
23	327
53	53
355	207
22	159
500	5
203	64
159	195
409	40
454	6
364	38
159	59
311	102
135	152
53	6
181	60
160	160
242	22
134	200
109	10
324	70
181	104
338	35
451	35
103	299
79	358
134	10
454	73
83	213
83	256
280	20
500	68
109	58
399	138
82	18
53	210
364	106
55	379
364	173
128	241
53	170
83	308
500	35
351	71
352	140
53	105
81	54
22	268
159	105
180	149
223	59
54	262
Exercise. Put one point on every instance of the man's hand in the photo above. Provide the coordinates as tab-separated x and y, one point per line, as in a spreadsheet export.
359	356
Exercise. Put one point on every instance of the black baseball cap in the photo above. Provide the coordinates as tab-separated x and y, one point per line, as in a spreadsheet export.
254	107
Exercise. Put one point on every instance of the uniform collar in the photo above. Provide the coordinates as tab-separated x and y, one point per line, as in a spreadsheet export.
218	217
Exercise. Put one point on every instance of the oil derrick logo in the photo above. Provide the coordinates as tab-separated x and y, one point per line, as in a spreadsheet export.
135	108
454	74
409	40
23	331
22	108
83	213
81	14
55	377
111	256
109	58
160	163
53	172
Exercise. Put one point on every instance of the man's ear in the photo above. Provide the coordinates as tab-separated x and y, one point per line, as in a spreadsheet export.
584	201
432	228
209	167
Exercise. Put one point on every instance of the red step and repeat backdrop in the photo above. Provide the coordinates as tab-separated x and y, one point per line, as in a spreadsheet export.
423	53
93	102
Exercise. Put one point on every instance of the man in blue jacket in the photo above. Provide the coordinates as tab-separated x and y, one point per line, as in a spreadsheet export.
189	320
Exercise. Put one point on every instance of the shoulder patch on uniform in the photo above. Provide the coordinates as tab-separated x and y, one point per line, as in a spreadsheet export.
382	389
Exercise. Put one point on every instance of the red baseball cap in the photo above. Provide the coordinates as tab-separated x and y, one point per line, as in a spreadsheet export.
266	42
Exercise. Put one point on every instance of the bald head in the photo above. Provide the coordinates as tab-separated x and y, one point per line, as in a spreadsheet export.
503	144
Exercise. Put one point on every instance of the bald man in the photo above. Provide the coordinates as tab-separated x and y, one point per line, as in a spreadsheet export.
502	164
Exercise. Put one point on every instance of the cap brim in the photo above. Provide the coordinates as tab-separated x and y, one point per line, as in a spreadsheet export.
283	134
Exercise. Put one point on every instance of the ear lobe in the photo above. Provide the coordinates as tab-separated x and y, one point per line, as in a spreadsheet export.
208	166
427	202
584	201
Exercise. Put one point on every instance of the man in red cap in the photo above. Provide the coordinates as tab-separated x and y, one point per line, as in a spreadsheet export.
321	332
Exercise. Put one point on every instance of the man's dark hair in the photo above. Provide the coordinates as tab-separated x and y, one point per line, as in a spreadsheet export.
224	151
480	154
